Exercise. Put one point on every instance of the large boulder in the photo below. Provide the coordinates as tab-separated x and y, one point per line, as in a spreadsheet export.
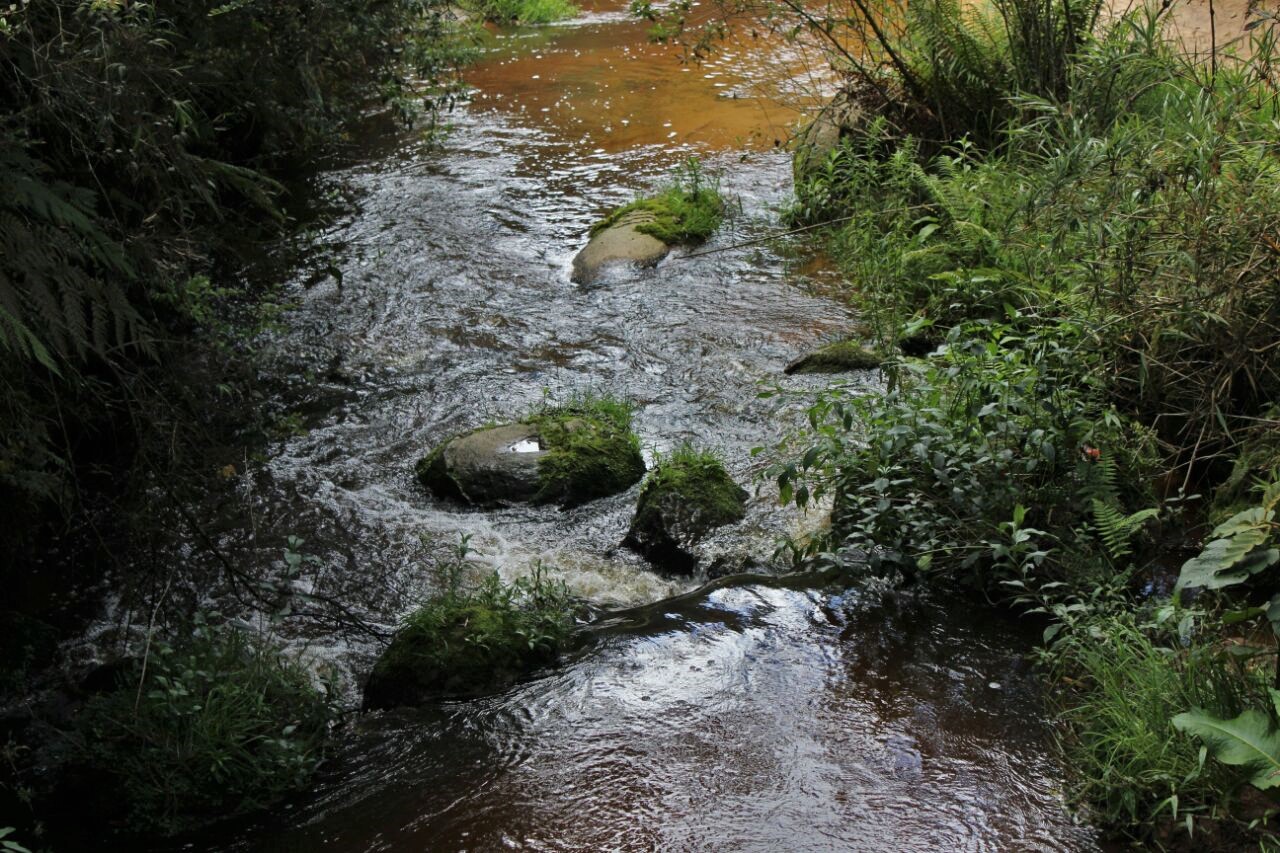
622	242
567	457
683	500
488	466
841	117
838	357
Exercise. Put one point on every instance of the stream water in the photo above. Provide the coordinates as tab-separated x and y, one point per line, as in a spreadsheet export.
746	717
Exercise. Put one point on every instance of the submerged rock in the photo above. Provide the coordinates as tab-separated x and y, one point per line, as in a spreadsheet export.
683	500
567	457
839	357
621	242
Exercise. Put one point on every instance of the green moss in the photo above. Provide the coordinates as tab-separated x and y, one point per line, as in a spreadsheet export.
698	480
591	450
688	211
837	358
523	11
467	643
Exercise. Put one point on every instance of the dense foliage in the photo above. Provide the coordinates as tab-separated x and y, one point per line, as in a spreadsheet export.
139	142
217	725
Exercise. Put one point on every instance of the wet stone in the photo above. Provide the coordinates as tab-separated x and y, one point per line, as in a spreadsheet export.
620	243
488	466
679	505
839	357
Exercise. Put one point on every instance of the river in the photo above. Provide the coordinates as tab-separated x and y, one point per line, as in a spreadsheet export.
752	716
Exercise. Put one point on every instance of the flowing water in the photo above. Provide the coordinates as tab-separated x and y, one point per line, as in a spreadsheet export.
748	716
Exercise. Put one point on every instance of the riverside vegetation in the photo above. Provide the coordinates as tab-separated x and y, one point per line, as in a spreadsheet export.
1066	229
147	149
1069	232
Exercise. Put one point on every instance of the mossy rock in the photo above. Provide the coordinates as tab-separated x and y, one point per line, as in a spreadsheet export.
684	499
567	456
642	232
839	357
461	646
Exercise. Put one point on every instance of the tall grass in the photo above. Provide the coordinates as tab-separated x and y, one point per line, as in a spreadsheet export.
1121	689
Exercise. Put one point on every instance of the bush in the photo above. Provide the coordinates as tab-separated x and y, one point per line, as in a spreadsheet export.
217	725
1123	683
985	461
466	642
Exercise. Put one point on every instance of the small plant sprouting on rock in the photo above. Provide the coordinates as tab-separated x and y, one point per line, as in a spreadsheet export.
471	640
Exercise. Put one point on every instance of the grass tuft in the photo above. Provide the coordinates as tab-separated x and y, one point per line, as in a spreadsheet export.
688	211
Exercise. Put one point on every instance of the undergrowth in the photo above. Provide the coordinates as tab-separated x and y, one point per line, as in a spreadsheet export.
1080	273
215	725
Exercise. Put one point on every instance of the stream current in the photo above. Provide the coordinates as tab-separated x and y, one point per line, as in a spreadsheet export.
750	716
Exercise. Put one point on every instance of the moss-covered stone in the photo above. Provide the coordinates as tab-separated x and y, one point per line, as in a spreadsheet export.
587	456
568	455
470	644
432	472
839	357
685	497
676	215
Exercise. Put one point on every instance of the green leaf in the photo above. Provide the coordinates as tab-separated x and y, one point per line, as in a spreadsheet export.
1249	741
1223	562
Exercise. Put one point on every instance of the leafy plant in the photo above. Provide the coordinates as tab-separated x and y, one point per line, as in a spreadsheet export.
1249	741
216	724
926	477
1122	681
9	844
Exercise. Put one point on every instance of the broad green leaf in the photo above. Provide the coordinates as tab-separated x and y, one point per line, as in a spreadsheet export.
1249	741
1251	519
1222	563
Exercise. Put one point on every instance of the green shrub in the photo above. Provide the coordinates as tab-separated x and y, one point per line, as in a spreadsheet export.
1123	685
470	641
981	463
216	725
688	211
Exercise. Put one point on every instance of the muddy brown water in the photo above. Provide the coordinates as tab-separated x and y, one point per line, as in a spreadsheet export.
752	716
